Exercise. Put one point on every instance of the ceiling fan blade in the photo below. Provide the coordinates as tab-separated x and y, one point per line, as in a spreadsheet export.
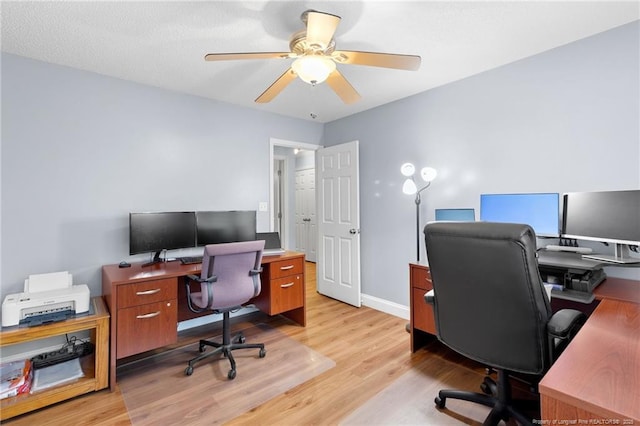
342	87
277	87
252	55
372	59
321	27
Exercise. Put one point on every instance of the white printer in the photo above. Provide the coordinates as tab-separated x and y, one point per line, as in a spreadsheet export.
44	297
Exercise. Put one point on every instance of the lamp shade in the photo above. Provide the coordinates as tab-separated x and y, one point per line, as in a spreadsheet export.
313	69
407	169
409	187
428	174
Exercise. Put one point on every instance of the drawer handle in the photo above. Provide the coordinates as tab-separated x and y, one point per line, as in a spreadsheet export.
151	315
286	285
286	268
147	292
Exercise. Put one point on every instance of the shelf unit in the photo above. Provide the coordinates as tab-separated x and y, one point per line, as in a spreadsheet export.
95	367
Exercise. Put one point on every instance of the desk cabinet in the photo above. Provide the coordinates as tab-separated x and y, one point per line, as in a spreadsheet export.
95	367
147	316
283	288
422	323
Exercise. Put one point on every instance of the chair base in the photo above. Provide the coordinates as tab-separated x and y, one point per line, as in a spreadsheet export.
225	348
497	396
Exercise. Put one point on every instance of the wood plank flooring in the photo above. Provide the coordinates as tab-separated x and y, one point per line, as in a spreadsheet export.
371	351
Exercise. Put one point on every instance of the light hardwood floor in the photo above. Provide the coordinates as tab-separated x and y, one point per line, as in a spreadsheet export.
370	349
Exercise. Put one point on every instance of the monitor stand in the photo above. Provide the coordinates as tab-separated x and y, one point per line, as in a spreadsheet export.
620	255
156	259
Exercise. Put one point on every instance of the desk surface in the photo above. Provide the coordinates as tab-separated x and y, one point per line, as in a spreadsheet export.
136	272
599	372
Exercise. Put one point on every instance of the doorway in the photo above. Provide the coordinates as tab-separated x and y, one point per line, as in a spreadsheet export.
285	198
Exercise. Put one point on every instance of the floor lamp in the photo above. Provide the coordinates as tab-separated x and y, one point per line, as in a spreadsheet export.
409	187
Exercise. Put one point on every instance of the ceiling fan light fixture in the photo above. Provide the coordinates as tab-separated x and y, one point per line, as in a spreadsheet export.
313	69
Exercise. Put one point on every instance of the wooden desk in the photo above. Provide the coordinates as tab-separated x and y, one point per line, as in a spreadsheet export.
596	380
95	367
146	303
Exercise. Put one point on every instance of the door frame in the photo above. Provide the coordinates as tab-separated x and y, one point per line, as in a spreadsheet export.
273	142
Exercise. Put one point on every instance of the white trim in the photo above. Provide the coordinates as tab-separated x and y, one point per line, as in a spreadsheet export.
385	306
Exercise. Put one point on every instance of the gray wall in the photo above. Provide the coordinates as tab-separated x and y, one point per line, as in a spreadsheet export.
80	151
565	120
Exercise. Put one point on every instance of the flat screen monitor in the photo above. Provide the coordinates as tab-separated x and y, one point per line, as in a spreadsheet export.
606	216
456	215
215	227
154	232
541	211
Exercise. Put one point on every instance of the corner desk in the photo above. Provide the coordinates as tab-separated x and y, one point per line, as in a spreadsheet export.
147	302
596	380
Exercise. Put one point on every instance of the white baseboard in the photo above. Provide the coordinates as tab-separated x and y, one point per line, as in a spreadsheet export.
386	306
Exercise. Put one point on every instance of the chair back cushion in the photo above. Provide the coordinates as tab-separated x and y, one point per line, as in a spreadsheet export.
490	303
232	264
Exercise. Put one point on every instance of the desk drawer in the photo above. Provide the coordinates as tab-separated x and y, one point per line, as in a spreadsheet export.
147	292
421	278
146	327
284	268
286	294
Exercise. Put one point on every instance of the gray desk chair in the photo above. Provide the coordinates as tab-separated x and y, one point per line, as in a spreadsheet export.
490	305
230	277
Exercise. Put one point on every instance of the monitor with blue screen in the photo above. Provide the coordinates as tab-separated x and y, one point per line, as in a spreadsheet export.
456	215
541	211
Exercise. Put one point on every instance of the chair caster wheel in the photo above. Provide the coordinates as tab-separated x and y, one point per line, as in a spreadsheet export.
489	386
262	353
242	339
201	348
232	374
188	371
439	402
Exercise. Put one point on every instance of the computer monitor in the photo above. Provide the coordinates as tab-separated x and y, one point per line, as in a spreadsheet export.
456	215
215	227
606	216
541	211
154	232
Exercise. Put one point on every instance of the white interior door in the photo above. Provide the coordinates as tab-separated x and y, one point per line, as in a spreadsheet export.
305	213
338	271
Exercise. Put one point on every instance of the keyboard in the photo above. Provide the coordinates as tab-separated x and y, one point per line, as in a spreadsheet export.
189	260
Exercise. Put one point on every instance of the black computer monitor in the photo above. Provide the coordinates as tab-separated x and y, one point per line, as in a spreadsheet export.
606	216
215	227
456	215
154	232
541	211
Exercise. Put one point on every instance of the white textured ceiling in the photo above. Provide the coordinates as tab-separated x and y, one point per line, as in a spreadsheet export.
163	44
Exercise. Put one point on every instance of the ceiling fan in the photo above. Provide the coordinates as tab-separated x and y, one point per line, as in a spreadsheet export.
315	58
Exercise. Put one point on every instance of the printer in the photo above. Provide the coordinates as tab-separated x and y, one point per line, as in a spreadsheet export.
46	298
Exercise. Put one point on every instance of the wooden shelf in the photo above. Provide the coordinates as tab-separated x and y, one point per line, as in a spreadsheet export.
95	367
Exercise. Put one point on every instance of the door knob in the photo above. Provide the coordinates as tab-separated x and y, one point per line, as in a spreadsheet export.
354	231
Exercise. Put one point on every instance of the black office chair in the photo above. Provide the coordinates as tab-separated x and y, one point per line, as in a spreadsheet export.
490	305
230	277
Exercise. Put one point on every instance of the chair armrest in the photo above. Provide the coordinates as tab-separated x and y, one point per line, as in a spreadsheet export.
565	323
255	272
207	282
430	297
